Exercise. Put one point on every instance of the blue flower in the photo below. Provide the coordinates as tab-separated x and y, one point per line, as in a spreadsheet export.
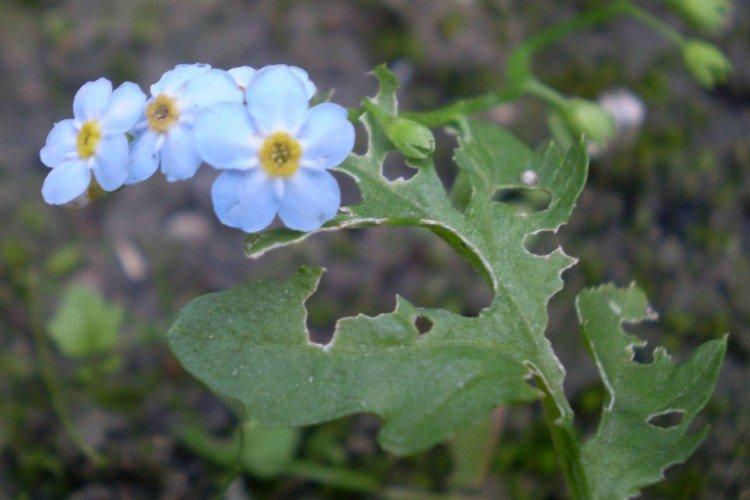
165	136
276	151
93	140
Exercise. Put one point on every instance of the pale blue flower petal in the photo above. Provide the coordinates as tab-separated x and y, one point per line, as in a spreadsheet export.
111	164
277	99
125	107
326	135
245	200
223	136
242	75
179	158
173	79
66	182
61	142
208	88
91	100
144	157
311	197
305	79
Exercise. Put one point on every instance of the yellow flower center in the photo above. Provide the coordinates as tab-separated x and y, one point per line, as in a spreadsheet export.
162	113
88	139
280	154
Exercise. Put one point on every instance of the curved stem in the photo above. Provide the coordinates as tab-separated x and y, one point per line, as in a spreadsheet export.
238	465
50	377
519	77
655	24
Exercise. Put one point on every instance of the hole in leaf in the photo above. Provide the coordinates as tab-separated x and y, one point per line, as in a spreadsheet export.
350	194
542	243
643	354
524	200
667	419
643	331
367	268
395	167
423	324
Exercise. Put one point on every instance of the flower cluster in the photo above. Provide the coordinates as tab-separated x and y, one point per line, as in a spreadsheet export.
256	126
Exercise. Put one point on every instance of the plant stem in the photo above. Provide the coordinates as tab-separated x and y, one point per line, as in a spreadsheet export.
50	377
334	476
546	93
567	446
519	76
238	464
655	24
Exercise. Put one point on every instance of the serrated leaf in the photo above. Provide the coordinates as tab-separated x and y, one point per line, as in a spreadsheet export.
628	451
251	343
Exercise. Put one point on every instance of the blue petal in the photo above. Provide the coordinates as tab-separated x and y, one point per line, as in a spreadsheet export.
224	136
125	107
242	75
173	79
144	157
277	99
311	197
208	88
66	182
179	158
61	142
91	99
111	164
305	79
326	135
245	200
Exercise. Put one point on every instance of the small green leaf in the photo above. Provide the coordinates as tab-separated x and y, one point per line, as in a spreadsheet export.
85	324
629	451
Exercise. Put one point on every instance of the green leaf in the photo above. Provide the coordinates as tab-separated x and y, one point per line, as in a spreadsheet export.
85	324
250	343
628	450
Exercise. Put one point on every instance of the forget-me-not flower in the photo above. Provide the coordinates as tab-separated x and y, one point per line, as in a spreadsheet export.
276	151
93	140
165	135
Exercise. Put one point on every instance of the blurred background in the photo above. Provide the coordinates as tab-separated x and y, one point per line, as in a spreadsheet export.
667	205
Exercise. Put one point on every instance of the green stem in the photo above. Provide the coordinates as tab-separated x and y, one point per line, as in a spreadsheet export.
238	465
334	476
567	446
519	76
50	377
452	112
655	24
546	93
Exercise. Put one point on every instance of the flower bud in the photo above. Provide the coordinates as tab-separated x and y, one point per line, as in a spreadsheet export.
710	15
411	138
706	62
586	117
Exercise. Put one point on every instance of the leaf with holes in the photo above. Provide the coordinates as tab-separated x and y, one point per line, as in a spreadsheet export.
251	343
630	449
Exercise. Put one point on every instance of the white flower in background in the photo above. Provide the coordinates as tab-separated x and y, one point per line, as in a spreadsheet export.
276	151
627	109
93	140
165	136
243	74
